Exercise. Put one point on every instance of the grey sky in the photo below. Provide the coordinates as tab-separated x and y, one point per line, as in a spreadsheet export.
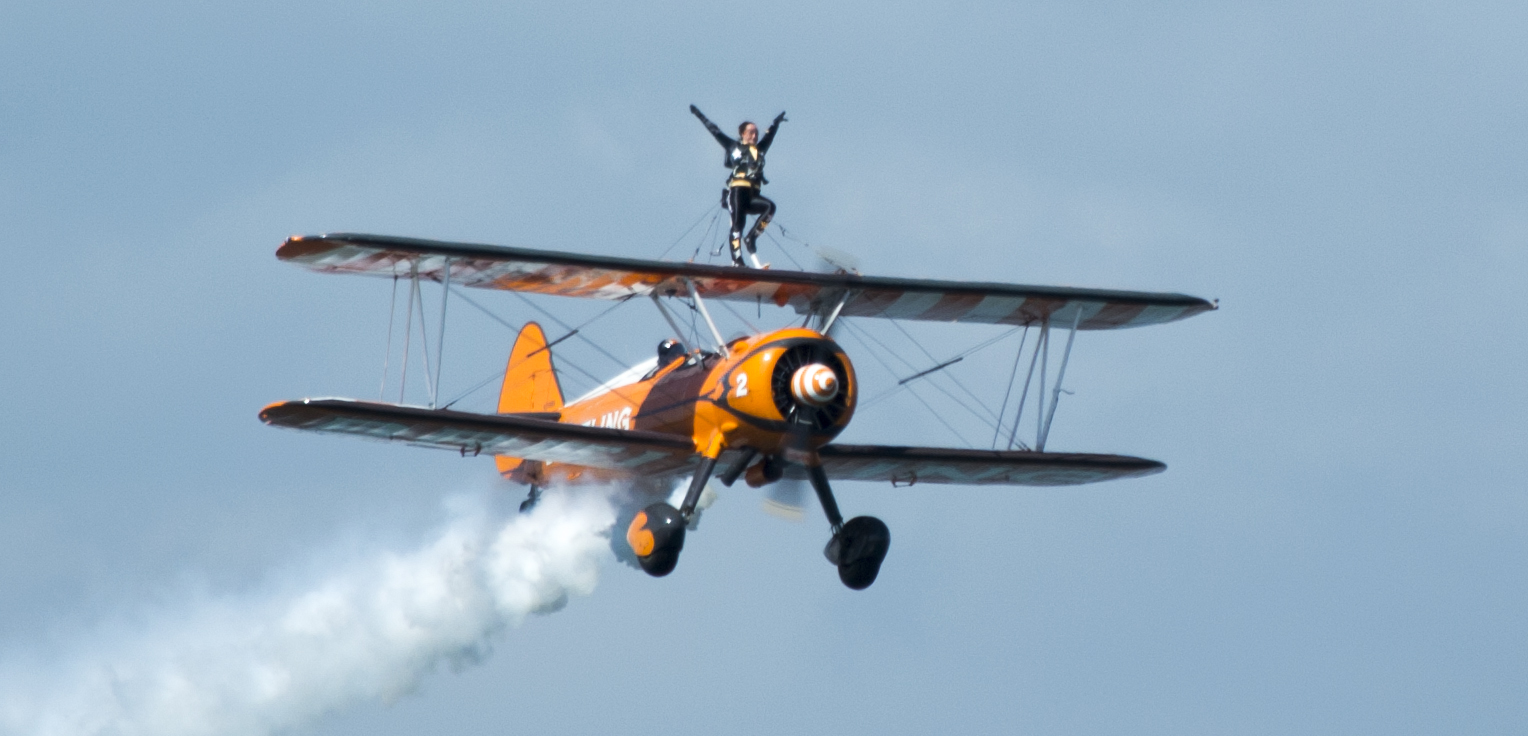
1338	544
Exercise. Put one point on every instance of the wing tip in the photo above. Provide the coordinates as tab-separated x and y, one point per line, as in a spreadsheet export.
298	247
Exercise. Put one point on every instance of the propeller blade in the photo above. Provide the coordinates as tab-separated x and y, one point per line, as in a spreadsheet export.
837	259
786	499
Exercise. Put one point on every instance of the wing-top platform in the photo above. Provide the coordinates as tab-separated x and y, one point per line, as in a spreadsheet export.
536	437
604	277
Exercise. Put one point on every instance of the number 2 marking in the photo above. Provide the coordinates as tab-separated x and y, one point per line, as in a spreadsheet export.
742	385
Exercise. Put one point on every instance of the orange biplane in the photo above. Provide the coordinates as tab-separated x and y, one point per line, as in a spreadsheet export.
764	407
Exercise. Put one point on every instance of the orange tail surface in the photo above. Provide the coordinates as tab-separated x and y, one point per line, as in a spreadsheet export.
530	383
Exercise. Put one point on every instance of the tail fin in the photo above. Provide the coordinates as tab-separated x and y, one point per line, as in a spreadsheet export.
530	382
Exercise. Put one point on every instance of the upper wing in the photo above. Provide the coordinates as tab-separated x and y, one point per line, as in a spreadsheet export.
523	436
602	277
909	465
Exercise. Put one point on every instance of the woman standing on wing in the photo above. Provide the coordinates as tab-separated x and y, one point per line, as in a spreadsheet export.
745	157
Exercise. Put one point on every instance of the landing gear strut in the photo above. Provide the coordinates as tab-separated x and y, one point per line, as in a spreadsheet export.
531	499
858	546
533	473
656	535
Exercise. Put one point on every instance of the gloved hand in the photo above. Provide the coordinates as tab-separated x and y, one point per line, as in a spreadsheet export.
778	118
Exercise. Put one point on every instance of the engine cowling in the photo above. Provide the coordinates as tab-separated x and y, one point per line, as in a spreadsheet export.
796	384
809	385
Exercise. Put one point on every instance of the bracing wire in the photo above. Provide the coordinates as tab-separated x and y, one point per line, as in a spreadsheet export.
687	230
861	334
740	317
483	309
570	328
783	250
938	417
563	360
475	388
962	355
705	237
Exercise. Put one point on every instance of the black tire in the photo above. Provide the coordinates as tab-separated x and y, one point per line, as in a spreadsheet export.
862	547
666	525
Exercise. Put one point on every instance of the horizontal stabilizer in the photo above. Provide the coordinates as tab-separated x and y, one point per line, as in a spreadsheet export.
943	465
531	436
603	277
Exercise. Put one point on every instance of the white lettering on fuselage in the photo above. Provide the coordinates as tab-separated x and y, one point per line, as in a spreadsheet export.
612	420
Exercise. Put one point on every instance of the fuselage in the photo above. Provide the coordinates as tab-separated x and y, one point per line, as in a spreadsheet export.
740	400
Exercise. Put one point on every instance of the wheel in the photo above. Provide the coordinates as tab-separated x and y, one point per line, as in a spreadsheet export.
858	550
656	535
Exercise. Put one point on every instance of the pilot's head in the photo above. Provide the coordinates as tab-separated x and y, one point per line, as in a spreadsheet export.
670	350
748	133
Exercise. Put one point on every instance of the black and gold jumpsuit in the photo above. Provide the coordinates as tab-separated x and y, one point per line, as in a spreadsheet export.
742	196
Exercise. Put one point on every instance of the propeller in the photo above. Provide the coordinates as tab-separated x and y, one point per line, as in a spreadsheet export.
786	499
839	260
807	384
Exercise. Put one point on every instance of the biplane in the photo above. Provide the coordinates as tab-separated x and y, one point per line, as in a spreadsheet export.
764	407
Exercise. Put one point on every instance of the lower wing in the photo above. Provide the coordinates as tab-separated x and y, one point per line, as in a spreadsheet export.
541	437
910	465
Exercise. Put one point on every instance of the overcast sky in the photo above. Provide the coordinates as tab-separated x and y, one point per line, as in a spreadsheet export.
1339	542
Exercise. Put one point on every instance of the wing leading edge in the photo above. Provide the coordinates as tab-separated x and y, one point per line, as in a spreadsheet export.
523	436
604	277
650	453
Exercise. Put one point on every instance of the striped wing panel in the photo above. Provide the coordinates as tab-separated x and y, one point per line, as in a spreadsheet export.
644	453
601	277
912	465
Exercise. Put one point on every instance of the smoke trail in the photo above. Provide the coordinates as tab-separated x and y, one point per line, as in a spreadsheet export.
261	663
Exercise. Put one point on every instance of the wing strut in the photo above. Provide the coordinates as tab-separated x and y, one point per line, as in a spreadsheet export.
827	324
679	333
392	312
440	339
1013	435
1056	392
408	329
701	305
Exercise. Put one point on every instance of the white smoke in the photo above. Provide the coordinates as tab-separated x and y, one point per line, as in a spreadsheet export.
257	664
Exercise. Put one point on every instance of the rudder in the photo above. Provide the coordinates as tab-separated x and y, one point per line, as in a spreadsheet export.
530	385
530	381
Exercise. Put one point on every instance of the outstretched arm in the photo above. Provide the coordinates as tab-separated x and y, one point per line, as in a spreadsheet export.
769	135
716	132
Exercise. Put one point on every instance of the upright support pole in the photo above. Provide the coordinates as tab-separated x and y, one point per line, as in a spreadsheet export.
1013	435
998	430
700	304
424	346
1044	367
392	311
678	332
825	497
1056	392
408	331
440	339
827	324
